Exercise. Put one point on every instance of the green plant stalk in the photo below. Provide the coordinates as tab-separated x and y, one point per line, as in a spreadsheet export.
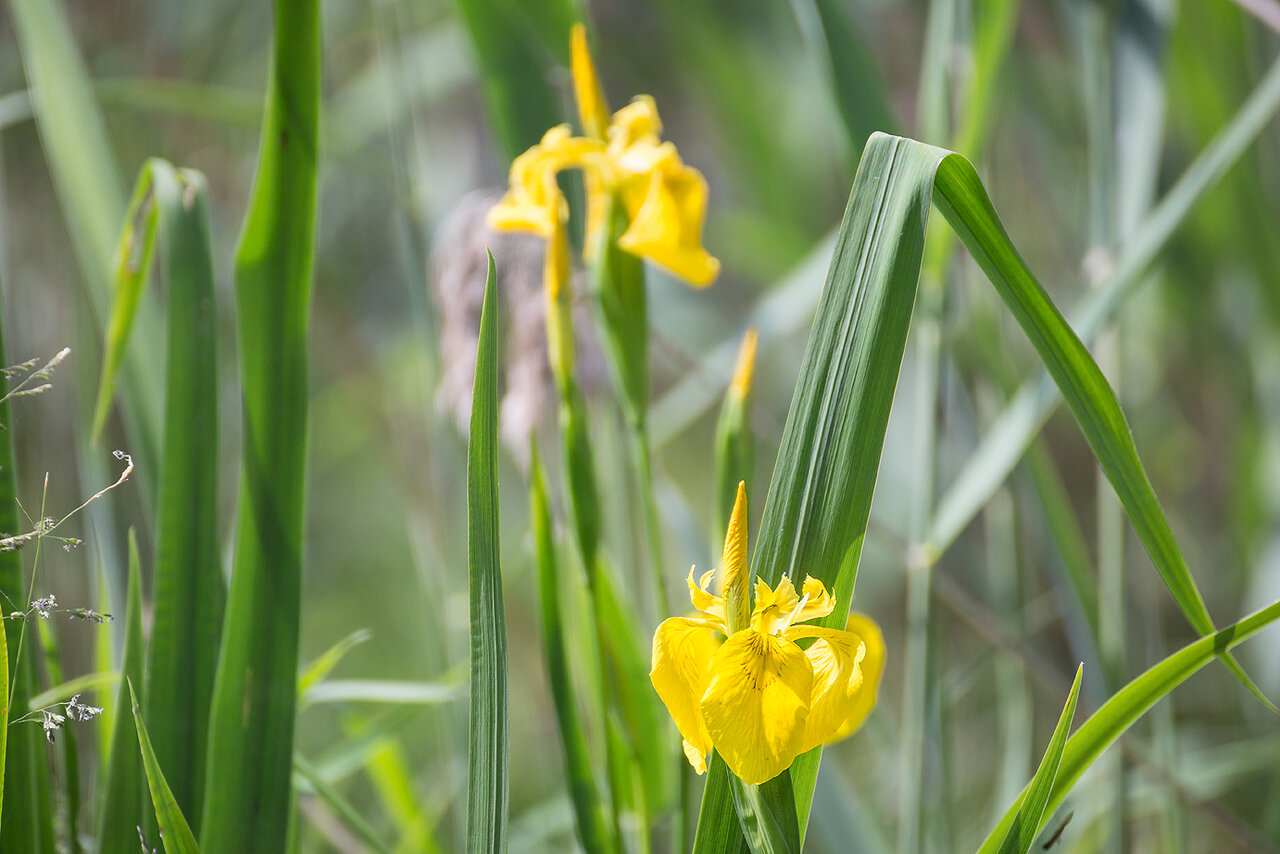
68	802
488	742
250	763
589	813
123	796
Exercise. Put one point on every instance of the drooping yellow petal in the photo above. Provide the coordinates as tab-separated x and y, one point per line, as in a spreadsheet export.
734	582
683	650
637	122
533	201
593	109
756	704
837	680
696	757
872	666
667	227
705	601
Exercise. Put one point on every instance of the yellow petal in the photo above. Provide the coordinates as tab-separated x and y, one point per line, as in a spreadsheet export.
734	579
706	602
774	608
872	667
667	227
837	680
817	601
682	653
593	109
636	122
696	758
756	704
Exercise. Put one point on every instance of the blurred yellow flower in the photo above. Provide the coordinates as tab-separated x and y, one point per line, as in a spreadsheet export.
755	696
664	200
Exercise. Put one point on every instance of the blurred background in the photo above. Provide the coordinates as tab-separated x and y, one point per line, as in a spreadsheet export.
1080	115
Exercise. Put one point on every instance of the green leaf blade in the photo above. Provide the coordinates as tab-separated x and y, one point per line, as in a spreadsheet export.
488	752
174	830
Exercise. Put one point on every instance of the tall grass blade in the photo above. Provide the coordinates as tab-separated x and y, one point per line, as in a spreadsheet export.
350	816
1133	700
488	751
91	190
1009	437
819	498
121	809
170	208
250	754
24	825
1030	805
174	831
4	713
589	812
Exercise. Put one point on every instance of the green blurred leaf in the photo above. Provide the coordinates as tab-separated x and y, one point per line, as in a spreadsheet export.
1029	806
349	815
380	691
488	750
589	811
319	670
251	725
122	799
174	831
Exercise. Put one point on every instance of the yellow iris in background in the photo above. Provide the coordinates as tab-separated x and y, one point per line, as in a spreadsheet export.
664	200
735	679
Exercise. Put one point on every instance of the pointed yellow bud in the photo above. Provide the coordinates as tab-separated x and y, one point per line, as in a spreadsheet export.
746	366
734	583
593	109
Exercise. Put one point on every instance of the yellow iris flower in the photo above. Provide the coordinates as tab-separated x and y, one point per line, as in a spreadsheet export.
735	679
665	201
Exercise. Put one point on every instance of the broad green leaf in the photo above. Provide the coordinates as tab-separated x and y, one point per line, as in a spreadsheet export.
249	762
816	513
767	815
121	804
1026	823
591	821
1132	701
169	214
488	751
174	830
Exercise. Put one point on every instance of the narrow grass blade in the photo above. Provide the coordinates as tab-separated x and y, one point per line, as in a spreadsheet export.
91	190
1030	805
174	830
962	199
1022	419
250	753
23	825
319	670
121	806
1132	701
169	210
592	823
488	753
349	815
68	744
4	713
385	691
